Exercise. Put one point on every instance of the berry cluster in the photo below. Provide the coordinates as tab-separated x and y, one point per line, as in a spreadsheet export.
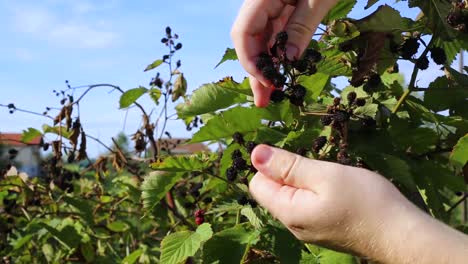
408	49
458	17
276	67
239	164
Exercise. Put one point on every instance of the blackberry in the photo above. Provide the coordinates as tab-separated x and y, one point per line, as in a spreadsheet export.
409	48
243	200
278	80
252	203
319	143
360	102
312	69
300	65
454	18
351	97
297	95
336	101
178	46
236	154
164	40
240	164
342	158
345	46
438	55
374	80
326	120
249	146
301	152
168	31
208	200
313	55
264	60
269	72
422	63
231	174
341	117
356	83
277	96
238	138
281	39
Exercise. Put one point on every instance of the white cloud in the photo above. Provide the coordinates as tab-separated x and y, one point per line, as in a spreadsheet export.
75	32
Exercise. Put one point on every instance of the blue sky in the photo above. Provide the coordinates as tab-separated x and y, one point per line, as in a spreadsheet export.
49	41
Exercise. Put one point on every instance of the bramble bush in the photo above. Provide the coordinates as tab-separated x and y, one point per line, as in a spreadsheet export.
152	206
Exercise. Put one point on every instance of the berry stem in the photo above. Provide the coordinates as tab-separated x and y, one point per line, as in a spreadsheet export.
411	86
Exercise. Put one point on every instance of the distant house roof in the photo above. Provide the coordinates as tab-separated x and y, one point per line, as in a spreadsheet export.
14	140
178	146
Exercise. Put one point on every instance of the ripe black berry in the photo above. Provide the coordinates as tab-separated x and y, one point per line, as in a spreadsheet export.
422	63
297	95
208	200
341	117
438	55
249	146
345	46
374	80
319	143
301	152
264	60
313	55
236	154
243	200
342	158
326	120
336	101
281	39
278	80
277	96
300	65
360	102
231	174
252	203
238	138
351	97
240	164
409	48
269	72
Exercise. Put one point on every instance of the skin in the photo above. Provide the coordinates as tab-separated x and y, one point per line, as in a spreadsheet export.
340	207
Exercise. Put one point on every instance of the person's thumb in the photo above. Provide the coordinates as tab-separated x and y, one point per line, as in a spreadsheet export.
290	169
303	23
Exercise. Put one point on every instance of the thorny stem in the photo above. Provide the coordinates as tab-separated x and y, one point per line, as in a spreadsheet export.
411	86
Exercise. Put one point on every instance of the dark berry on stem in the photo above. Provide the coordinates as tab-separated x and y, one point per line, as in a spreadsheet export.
300	65
231	174
336	101
345	46
409	48
301	152
249	146
269	72
279	80
252	203
240	164
313	55
264	60
438	55
277	96
360	102
281	39
422	63
238	138
319	143
341	117
374	80
326	120
351	97
208	200
297	95
236	154
178	46
243	200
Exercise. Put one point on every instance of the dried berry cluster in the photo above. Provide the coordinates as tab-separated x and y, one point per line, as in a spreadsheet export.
276	67
458	17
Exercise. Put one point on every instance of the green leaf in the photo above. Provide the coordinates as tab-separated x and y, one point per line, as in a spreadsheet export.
340	10
209	98
370	3
384	19
229	54
132	258
19	243
443	94
284	244
82	207
436	13
225	124
332	257
459	156
130	96
118	226
229	245
254	219
369	110
155	186
196	162
67	236
314	85
88	252
154	65
58	130
30	134
155	94
284	111
177	247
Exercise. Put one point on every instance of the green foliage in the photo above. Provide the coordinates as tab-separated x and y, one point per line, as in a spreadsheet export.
130	96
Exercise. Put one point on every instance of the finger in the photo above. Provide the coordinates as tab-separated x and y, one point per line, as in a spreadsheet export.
284	202
261	93
249	33
291	169
303	23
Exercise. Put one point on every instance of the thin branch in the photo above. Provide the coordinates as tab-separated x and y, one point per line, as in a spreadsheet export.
465	196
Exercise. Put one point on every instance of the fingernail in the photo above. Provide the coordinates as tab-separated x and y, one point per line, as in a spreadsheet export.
262	154
292	52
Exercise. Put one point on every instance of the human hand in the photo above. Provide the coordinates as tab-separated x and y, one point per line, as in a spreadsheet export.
259	21
350	209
